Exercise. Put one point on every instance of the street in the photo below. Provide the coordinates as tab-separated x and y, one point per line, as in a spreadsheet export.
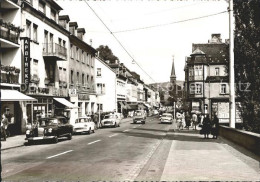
151	152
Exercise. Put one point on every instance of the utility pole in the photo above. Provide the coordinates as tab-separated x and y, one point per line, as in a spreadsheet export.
232	103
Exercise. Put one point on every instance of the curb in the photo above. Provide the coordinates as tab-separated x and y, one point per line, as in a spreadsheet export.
17	146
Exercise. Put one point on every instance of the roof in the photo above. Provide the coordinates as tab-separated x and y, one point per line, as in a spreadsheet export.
197	52
64	17
55	5
215	53
81	30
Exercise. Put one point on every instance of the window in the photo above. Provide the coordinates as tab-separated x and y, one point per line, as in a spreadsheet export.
60	74
98	71
77	77
223	89
64	75
71	51
28	28
216	71
64	43
198	89
71	77
35	37
42	6
35	67
87	78
91	80
83	79
59	41
80	108
77	54
53	15
192	89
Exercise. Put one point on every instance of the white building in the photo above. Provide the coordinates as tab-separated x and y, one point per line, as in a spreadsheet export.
105	86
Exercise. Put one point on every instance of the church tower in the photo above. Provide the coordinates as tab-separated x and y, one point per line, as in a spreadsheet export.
173	76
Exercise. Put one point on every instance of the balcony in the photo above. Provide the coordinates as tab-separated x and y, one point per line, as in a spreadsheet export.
9	74
8	38
54	52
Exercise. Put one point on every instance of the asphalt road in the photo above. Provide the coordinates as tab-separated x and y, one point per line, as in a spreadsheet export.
132	152
129	152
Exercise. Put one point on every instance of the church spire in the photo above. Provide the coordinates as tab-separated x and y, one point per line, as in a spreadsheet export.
173	76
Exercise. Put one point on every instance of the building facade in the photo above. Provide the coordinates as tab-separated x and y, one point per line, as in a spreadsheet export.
207	79
105	87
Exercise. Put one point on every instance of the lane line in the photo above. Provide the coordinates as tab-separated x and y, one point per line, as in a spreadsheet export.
125	130
94	142
113	135
59	154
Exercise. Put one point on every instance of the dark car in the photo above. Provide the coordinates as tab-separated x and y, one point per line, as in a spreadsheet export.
139	116
50	129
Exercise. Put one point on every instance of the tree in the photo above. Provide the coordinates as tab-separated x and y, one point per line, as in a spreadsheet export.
247	61
106	53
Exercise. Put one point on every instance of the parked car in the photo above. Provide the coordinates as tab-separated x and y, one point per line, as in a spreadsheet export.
84	124
139	116
166	118
155	112
111	120
50	129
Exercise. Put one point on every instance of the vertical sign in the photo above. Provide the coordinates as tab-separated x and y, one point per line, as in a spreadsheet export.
26	62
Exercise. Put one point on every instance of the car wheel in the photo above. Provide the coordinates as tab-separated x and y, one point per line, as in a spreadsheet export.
118	125
30	142
115	125
93	131
70	136
143	122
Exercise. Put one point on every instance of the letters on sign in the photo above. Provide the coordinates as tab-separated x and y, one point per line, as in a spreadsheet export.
26	62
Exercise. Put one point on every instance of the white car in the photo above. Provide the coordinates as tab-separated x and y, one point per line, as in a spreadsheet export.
166	118
84	124
111	120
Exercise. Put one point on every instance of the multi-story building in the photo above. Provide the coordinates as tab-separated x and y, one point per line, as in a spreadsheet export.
48	41
105	86
81	72
12	100
207	79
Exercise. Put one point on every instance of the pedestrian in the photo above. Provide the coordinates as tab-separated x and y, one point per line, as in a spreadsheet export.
206	127
215	126
4	125
194	120
95	119
187	120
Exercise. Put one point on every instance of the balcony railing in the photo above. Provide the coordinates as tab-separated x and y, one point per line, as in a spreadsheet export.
55	51
9	35
9	74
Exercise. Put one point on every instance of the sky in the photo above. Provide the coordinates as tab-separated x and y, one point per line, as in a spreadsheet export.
152	48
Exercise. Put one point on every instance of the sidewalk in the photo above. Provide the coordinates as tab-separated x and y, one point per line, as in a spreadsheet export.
193	158
19	140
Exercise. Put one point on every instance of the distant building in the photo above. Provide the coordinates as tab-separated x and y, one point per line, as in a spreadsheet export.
105	87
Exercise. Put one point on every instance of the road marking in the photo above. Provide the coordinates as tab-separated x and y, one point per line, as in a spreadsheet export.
94	142
113	135
59	154
134	127
139	125
125	130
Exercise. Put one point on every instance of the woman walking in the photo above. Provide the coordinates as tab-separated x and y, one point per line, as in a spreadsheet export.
215	126
206	127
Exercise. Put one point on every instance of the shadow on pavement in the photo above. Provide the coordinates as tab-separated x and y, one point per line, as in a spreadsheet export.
148	129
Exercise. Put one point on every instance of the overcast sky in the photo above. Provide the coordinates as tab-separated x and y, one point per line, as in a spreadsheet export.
152	48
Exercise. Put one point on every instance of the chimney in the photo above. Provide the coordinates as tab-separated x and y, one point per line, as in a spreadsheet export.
73	27
63	21
90	42
215	38
80	33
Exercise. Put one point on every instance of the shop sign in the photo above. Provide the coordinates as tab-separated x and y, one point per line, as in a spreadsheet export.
84	97
26	62
195	106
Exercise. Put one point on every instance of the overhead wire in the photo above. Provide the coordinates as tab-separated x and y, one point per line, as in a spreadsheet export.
166	24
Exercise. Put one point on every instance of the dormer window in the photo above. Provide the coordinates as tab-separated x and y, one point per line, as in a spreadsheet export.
53	15
42	7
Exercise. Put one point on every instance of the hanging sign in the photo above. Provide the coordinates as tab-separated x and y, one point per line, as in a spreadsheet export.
26	63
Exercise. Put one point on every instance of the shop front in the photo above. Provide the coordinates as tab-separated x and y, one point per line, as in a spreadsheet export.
12	105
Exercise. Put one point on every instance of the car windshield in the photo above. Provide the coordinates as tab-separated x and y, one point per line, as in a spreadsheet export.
138	113
167	115
109	117
80	120
53	122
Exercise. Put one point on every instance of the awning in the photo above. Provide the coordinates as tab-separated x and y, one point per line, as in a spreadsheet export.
122	104
14	95
65	102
